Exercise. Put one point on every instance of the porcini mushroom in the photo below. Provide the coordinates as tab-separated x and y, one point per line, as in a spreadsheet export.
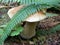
31	22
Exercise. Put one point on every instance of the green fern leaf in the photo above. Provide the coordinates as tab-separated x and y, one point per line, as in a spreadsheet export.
18	18
17	31
53	3
33	1
28	2
39	1
55	28
1	32
51	14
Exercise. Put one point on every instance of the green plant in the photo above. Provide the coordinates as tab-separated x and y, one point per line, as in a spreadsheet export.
32	6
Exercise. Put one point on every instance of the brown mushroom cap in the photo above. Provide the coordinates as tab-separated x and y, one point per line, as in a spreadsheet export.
32	18
13	11
36	17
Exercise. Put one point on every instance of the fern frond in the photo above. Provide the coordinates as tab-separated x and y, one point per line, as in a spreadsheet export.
51	3
28	2
57	6
32	1
51	14
8	1
39	1
18	18
55	28
16	31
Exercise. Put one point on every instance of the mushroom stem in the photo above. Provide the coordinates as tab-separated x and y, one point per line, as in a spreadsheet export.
29	30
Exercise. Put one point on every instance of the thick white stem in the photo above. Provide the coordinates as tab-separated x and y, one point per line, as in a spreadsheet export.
29	30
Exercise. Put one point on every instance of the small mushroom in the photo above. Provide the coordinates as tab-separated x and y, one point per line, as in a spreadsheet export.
31	22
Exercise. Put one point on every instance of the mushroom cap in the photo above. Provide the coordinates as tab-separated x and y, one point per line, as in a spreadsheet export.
32	18
13	11
36	17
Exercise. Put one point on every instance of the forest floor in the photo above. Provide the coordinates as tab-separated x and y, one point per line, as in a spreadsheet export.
49	39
